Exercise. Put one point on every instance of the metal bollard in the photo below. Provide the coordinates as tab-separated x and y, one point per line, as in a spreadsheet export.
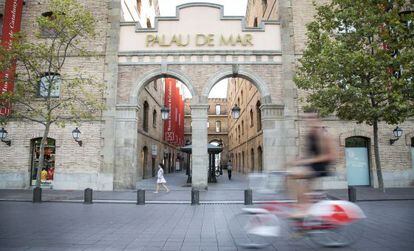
87	197
248	197
352	194
37	195
195	197
140	197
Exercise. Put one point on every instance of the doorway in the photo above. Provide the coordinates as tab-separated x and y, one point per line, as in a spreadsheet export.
357	161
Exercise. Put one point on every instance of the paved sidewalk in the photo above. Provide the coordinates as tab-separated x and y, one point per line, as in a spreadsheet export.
229	191
72	227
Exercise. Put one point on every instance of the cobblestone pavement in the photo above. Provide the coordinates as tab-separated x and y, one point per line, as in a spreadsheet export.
72	226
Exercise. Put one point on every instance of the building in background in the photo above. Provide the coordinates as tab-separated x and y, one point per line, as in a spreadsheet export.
142	12
245	133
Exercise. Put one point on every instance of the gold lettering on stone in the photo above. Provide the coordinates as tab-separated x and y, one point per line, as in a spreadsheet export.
201	39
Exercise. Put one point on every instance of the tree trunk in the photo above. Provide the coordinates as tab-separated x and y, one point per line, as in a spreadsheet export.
377	157
42	155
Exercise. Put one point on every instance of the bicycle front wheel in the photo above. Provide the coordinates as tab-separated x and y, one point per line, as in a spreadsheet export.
254	230
333	235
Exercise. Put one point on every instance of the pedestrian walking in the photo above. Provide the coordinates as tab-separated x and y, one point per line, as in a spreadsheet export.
229	169
160	179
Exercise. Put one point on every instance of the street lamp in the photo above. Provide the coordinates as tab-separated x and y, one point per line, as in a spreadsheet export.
3	137
397	134
165	113
76	136
235	112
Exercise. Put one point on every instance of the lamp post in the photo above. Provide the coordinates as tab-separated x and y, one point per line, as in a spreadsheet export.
165	113
76	136
235	112
397	134
3	137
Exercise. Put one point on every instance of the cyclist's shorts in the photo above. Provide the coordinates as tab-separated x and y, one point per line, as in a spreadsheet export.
320	169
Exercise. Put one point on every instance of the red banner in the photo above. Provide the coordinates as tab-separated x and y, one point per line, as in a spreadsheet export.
11	25
174	126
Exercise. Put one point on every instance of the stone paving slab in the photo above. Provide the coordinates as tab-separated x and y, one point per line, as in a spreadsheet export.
373	194
69	226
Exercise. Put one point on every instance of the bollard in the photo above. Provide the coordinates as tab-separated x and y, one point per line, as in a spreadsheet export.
248	197
140	197
195	197
37	195
352	194
87	198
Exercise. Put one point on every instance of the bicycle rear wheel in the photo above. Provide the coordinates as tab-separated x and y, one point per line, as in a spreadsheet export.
254	230
333	235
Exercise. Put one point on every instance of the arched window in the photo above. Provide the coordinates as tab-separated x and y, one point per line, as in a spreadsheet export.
145	116
259	159
252	160
251	118
49	85
139	6
242	127
48	169
259	116
154	118
48	32
1	24
238	131
149	23
144	161
264	4
243	163
255	23
241	96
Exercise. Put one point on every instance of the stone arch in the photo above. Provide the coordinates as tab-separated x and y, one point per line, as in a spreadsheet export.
238	71
354	133
157	73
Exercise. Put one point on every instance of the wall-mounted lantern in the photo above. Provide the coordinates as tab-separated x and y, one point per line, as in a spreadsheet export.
235	112
3	137
76	134
397	134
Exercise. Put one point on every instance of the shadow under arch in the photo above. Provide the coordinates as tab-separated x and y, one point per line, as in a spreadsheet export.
237	71
155	74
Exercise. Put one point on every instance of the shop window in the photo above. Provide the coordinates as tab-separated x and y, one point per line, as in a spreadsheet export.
259	116
48	170
45	32
149	23
154	119
139	6
49	85
218	126
218	109
145	117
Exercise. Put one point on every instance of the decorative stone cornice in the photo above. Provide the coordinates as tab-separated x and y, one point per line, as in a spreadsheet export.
272	111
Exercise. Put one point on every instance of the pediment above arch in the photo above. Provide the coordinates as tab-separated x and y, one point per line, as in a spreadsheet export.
200	27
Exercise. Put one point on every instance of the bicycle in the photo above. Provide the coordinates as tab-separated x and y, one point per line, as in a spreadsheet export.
328	223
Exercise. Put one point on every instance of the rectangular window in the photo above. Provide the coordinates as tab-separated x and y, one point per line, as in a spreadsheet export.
50	83
218	126
218	109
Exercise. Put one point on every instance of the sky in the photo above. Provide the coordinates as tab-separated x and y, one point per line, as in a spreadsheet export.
231	8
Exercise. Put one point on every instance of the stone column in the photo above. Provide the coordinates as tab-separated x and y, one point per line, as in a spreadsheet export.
273	137
126	153
199	118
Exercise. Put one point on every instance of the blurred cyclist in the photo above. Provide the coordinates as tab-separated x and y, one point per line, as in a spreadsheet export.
320	154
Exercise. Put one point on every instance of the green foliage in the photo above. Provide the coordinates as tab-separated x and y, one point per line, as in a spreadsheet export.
359	61
41	70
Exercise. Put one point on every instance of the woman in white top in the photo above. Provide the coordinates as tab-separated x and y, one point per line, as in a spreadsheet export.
160	179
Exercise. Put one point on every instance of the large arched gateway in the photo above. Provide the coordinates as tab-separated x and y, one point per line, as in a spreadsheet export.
199	47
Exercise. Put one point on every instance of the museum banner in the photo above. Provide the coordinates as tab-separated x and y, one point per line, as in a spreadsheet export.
11	25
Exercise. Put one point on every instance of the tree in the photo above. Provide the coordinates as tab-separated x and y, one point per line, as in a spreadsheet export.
359	63
45	92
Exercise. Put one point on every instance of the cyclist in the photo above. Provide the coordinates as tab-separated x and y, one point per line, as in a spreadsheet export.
320	154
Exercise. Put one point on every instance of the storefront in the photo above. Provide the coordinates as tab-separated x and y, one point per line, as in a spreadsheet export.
47	173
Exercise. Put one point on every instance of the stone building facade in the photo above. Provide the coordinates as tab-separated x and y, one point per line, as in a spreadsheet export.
199	46
245	133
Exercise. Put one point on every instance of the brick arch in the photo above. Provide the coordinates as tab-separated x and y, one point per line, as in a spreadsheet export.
408	137
159	73
241	72
354	133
